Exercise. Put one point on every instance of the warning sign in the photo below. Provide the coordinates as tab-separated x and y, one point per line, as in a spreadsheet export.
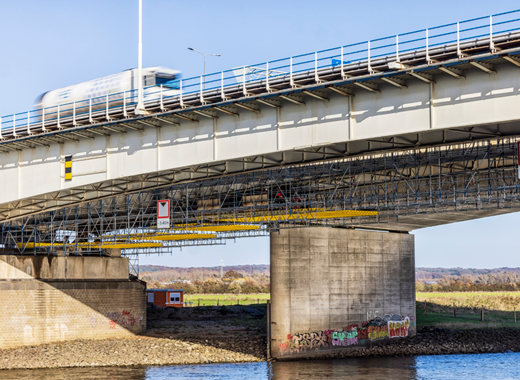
163	213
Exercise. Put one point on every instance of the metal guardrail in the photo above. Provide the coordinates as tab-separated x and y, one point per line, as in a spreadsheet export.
423	44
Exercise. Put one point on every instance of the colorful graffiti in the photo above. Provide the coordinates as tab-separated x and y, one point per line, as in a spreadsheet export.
388	326
302	342
398	328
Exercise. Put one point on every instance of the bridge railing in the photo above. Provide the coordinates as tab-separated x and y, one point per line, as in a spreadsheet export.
482	33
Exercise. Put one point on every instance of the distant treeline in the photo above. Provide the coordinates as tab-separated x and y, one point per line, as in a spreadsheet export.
244	279
467	280
217	286
429	274
232	282
460	286
163	274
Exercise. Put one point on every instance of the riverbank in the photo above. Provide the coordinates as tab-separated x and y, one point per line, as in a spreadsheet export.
229	334
128	352
165	351
234	334
438	342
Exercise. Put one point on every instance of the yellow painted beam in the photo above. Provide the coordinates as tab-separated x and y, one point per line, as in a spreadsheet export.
172	237
224	228
94	245
127	245
305	215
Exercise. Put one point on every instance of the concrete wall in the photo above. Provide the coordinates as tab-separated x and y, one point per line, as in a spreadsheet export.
334	288
63	267
45	300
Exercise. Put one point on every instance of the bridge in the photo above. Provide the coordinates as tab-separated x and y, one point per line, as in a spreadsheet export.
394	134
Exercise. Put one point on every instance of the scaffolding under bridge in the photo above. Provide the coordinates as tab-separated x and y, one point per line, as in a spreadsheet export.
400	190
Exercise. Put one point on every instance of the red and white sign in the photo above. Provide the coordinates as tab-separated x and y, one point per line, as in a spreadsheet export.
163	213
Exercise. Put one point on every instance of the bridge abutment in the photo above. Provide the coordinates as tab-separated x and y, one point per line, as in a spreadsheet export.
335	288
47	299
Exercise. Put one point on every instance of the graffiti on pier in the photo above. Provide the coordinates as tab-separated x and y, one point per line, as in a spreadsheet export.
348	337
116	320
377	332
398	328
301	342
378	328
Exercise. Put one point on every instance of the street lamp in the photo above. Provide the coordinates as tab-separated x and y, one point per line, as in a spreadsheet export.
139	110
204	54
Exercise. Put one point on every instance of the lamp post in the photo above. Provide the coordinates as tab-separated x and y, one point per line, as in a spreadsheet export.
204	54
139	109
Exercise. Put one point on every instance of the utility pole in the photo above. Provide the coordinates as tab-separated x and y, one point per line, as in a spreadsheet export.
139	109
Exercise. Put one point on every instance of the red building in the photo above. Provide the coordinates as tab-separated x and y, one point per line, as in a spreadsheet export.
165	297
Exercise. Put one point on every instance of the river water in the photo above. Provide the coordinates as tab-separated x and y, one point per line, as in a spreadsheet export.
460	367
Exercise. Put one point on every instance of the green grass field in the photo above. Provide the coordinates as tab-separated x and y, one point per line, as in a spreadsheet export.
465	318
226	299
498	307
503	301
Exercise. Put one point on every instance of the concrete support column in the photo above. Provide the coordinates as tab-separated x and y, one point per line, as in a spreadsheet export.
47	299
334	288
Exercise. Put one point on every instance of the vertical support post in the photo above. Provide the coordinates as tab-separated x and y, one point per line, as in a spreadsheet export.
397	48
199	301
514	312
14	126
482	313
454	312
342	65
181	103
222	92
29	123
491	43
316	77
291	80
425	307
161	101
91	121
201	97
107	116
125	114
244	88
428	60
74	114
139	110
43	120
368	52
458	40
59	125
267	77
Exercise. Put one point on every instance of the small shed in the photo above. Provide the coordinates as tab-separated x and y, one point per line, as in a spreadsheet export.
165	297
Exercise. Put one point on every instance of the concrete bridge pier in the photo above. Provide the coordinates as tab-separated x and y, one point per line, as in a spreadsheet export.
337	288
47	299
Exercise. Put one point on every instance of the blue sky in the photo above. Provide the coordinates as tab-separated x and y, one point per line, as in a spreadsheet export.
49	44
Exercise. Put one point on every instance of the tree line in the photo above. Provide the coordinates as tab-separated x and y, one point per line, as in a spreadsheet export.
480	282
232	282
